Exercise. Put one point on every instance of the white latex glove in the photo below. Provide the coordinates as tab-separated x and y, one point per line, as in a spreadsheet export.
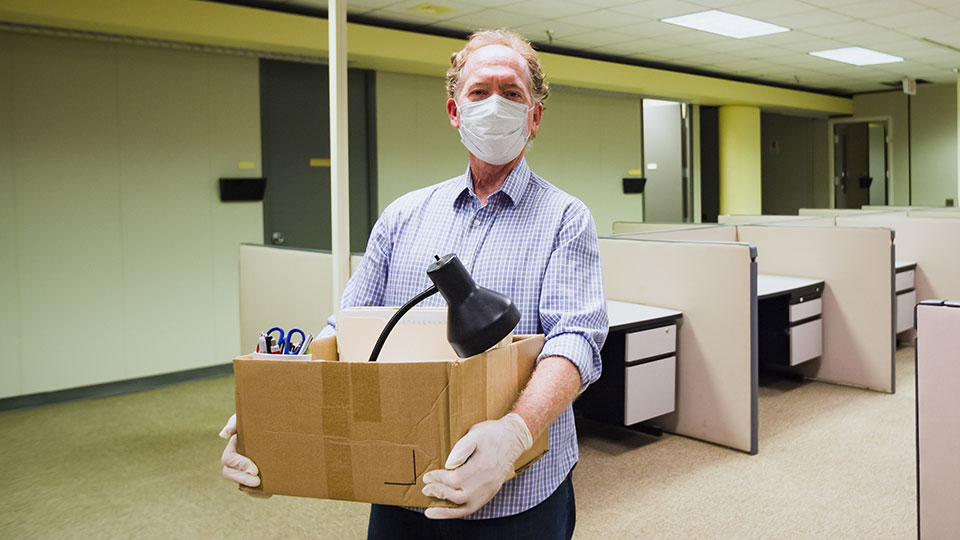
477	466
238	468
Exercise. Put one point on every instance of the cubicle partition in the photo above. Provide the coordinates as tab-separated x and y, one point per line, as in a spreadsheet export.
929	242
938	432
796	221
284	287
714	285
620	227
857	266
935	213
858	301
702	233
831	212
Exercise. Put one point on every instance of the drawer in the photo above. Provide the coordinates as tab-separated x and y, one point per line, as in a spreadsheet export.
650	390
805	310
652	342
905	304
904	280
806	341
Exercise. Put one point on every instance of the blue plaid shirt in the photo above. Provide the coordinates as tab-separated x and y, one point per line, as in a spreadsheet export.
532	242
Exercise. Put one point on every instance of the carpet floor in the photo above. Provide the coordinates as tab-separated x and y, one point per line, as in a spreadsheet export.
834	462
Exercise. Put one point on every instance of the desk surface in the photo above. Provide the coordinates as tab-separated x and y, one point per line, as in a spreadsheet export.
624	314
768	285
902	266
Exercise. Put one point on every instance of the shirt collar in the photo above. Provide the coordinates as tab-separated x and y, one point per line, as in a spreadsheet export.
513	186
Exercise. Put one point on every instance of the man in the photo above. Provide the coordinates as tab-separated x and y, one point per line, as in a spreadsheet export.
521	236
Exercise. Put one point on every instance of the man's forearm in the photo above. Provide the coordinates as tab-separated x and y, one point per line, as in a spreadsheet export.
554	384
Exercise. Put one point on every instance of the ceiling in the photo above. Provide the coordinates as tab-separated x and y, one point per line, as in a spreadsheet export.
926	33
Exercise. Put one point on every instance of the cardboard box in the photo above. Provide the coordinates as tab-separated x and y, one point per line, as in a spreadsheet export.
368	431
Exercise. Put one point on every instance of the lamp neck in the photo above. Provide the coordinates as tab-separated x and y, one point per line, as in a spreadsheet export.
432	290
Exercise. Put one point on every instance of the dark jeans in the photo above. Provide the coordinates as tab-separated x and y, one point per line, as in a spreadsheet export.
554	518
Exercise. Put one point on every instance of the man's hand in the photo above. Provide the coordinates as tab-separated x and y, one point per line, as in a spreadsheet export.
477	466
236	467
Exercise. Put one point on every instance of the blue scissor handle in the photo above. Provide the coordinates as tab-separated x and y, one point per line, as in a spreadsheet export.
288	346
280	341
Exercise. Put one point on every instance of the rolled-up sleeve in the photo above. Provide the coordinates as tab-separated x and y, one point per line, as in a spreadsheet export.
573	312
366	285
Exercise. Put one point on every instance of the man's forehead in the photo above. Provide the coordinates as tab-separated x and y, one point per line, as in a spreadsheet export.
496	56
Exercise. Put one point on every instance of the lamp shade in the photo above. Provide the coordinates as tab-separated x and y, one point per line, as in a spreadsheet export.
477	317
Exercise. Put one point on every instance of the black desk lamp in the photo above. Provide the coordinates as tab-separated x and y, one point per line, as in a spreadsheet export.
477	318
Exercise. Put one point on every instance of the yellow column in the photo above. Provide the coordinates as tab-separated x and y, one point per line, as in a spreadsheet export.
739	128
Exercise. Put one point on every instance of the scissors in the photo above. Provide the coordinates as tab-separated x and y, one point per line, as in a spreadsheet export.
284	340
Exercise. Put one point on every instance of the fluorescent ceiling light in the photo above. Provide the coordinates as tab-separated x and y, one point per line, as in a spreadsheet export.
857	56
725	24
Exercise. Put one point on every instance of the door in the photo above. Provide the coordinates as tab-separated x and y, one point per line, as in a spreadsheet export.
295	143
663	154
852	180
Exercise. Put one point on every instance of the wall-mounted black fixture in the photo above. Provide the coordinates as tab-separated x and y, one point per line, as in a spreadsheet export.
634	185
865	182
242	189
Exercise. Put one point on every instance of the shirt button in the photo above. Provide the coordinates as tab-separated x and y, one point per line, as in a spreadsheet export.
476	222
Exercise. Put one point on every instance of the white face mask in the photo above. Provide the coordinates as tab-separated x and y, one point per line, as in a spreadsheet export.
494	129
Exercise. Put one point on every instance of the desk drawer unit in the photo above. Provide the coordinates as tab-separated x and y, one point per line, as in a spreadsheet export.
905	303
806	341
806	331
904	281
649	344
650	390
650	379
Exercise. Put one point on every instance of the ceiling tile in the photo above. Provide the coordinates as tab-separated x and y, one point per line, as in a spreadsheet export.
872	40
780	38
480	3
719	4
546	9
943	29
651	29
659	9
596	38
602	3
845	30
808	19
877	8
906	20
637	46
537	31
457	9
814	45
830	3
491	18
937	3
678	53
763	52
764	9
601	18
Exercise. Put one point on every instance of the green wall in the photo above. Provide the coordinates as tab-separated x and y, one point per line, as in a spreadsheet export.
933	144
122	260
588	141
924	141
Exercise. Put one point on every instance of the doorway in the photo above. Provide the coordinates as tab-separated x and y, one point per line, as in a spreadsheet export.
295	143
668	156
860	162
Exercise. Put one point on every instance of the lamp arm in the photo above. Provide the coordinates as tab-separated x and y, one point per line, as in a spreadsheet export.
432	290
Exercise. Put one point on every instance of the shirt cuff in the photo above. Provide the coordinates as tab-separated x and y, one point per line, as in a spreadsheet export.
579	351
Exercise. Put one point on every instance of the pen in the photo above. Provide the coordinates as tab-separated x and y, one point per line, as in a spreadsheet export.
305	346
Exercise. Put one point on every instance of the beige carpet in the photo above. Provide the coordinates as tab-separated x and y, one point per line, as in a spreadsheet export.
834	462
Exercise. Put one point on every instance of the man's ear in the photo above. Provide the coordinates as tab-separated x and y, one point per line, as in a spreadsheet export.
536	115
453	113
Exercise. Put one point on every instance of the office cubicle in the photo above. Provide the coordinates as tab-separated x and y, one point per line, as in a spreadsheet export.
285	287
929	242
859	305
620	227
938	432
714	285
